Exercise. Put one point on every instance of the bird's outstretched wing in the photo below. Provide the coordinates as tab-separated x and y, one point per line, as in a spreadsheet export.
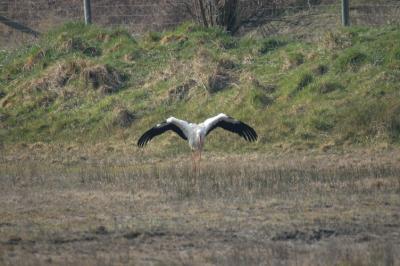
232	125
158	130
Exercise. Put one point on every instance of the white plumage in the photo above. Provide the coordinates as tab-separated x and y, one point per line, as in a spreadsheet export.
195	134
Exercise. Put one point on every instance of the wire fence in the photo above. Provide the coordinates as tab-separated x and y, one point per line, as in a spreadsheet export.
139	16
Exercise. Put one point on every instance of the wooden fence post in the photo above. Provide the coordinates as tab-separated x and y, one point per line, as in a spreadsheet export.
88	12
345	13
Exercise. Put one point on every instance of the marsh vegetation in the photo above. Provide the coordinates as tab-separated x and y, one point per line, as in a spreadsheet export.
326	209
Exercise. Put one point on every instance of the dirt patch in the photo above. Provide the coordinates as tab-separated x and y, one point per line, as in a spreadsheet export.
180	92
327	87
222	76
123	117
5	224
101	230
320	70
103	78
218	81
61	241
227	64
307	236
144	235
215	75
14	240
132	235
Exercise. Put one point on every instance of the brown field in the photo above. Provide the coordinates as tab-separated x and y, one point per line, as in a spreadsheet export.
288	209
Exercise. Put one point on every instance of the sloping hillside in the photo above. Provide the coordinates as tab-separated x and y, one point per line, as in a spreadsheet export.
87	85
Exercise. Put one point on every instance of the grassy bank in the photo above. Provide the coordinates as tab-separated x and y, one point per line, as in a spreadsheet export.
90	85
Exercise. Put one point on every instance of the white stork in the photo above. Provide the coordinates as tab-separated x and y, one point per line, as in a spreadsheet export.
195	133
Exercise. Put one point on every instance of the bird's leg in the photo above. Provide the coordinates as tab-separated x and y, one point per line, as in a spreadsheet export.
193	162
197	169
199	159
197	162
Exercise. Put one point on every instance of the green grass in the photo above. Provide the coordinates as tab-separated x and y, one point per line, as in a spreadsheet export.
70	86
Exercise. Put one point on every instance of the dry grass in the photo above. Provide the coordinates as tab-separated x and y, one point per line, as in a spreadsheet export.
294	209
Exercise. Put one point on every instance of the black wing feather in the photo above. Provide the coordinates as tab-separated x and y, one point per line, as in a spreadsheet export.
238	127
158	130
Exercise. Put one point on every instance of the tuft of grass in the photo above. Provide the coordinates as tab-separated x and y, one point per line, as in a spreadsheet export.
364	120
304	80
320	70
292	60
328	86
351	59
259	99
337	40
271	44
323	119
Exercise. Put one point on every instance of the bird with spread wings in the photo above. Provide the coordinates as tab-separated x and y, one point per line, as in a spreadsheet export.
195	133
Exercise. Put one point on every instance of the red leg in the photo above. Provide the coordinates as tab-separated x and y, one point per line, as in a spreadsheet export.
199	159
193	162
